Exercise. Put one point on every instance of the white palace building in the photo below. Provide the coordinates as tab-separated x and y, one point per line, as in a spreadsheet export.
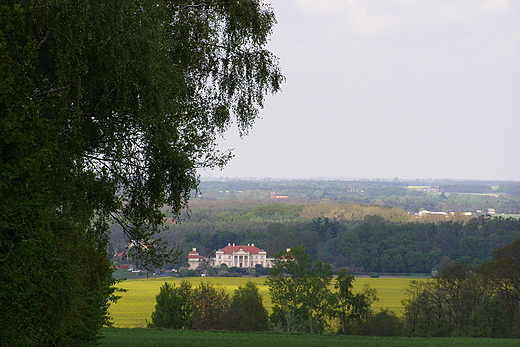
233	256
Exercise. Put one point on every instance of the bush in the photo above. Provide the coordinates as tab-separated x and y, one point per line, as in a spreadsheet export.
246	311
174	308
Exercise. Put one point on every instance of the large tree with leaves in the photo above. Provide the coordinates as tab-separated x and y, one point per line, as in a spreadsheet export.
107	109
174	306
299	288
246	310
502	274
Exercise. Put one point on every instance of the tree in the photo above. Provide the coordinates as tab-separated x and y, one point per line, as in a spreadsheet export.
107	109
302	301
246	310
211	306
461	301
503	275
174	307
424	310
352	308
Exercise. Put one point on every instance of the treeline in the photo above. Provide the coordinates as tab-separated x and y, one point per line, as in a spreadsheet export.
510	188
462	300
504	196
340	187
301	293
209	307
362	238
465	188
370	245
469	301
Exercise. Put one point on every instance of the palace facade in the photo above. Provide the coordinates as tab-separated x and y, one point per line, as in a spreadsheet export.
232	255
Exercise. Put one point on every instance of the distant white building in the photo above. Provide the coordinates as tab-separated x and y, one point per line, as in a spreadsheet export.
242	256
232	255
423	212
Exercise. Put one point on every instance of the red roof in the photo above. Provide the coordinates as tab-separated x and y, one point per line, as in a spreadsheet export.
194	254
250	249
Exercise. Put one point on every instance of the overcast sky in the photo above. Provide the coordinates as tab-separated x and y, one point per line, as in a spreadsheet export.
389	88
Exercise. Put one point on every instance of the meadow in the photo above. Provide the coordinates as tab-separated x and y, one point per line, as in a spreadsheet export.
164	338
135	307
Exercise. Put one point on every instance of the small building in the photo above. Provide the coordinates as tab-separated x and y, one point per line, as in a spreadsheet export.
242	256
194	259
423	212
274	196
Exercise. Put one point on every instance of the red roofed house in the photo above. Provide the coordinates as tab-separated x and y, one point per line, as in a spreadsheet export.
242	256
194	259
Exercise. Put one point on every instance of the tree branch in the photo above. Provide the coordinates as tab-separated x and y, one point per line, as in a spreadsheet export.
202	4
43	40
50	91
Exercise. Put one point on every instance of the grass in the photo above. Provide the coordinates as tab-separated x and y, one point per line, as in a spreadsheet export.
114	337
135	307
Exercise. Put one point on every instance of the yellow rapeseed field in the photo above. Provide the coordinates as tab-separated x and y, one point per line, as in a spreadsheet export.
135	307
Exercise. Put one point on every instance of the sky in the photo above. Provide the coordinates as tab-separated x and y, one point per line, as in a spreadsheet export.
378	89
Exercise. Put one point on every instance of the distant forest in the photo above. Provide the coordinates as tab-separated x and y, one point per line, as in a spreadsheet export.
363	226
411	196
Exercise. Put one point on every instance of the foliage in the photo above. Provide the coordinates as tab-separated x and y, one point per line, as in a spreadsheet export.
353	309
55	276
302	301
464	301
174	308
464	196
208	307
384	323
106	111
502	274
369	245
138	302
354	212
465	188
211	305
246	310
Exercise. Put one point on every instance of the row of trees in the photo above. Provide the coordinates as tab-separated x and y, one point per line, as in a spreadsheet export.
469	301
300	292
461	301
207	307
371	245
388	194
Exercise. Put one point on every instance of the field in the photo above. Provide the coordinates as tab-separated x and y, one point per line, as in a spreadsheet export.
165	338
135	307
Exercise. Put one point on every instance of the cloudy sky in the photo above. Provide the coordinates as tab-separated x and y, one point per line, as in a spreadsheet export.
389	88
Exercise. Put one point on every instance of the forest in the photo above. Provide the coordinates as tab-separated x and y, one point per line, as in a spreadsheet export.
371	227
410	195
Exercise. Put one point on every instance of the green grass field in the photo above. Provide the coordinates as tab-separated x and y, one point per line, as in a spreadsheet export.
135	307
164	338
